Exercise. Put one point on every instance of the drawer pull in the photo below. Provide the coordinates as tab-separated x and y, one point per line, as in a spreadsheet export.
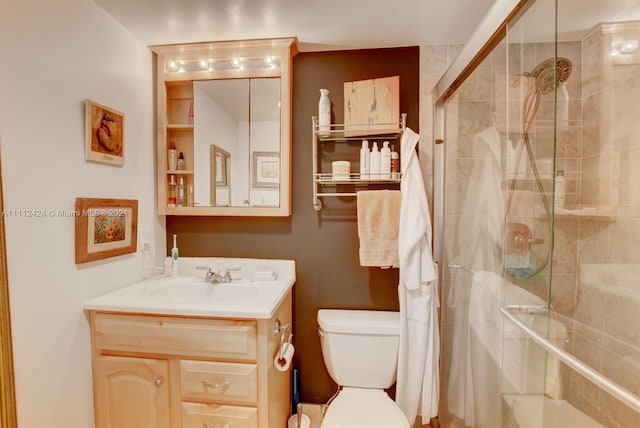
158	382
224	384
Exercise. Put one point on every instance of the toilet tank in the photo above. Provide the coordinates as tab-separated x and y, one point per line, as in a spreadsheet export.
360	348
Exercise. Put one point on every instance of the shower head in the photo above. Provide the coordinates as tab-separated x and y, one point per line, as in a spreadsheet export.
550	73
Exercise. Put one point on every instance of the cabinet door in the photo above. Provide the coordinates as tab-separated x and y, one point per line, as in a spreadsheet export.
131	392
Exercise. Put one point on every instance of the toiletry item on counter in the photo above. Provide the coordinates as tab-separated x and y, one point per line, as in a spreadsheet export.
364	160
395	164
180	163
174	257
173	157
385	161
324	113
182	193
374	163
559	191
340	170
172	199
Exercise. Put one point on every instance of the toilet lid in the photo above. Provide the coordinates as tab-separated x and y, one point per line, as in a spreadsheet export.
363	408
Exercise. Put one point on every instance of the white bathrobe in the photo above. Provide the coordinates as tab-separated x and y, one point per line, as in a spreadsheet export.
417	389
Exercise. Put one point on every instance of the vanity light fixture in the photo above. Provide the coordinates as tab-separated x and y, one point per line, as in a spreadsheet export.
205	64
623	47
173	66
236	63
268	61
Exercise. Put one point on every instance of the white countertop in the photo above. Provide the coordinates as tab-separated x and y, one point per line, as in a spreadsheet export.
189	294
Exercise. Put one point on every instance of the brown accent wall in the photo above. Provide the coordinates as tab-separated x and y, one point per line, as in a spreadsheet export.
324	244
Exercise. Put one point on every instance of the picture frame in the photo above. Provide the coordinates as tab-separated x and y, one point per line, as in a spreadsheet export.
266	169
104	134
105	228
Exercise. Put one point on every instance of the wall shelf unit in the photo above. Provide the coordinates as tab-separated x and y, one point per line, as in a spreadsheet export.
338	133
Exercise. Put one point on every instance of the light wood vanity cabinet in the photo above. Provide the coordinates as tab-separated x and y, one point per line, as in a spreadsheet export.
174	371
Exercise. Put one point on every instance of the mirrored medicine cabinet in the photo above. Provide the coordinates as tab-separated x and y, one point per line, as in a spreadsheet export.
226	107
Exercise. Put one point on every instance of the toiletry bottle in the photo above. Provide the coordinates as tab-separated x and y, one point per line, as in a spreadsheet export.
364	160
559	192
190	197
385	161
181	161
182	193
173	157
174	257
324	113
172	199
395	164
374	163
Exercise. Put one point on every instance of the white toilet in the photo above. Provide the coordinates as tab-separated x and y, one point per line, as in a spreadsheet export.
360	351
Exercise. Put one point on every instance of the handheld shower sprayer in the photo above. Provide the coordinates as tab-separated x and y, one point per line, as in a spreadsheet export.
544	78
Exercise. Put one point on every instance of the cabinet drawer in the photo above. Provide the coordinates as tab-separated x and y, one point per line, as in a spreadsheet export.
175	336
210	415
219	382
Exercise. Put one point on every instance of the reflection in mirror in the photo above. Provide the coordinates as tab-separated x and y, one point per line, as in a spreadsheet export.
220	185
235	118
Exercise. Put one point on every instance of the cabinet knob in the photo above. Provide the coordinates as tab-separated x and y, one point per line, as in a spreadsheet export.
158	382
224	384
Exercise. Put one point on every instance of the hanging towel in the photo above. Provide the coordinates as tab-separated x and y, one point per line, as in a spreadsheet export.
378	222
417	388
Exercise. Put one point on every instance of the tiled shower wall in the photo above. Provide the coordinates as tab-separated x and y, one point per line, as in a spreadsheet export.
605	258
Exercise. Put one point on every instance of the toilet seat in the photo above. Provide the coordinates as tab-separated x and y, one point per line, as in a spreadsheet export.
364	408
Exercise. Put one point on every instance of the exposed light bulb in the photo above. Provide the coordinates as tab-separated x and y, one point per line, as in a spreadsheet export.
203	64
173	66
629	46
236	62
268	60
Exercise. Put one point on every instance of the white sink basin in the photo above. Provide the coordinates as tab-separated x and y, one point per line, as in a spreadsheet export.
198	291
191	295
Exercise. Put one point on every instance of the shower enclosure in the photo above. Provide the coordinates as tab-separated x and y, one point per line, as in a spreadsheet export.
537	218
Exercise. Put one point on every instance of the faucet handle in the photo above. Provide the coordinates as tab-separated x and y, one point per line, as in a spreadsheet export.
227	273
209	274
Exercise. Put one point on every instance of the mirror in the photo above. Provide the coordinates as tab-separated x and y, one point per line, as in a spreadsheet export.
237	142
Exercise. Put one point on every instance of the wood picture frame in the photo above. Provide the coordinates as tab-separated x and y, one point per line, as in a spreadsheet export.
266	169
105	228
104	134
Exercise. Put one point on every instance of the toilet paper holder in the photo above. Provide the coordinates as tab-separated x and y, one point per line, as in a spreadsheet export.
282	330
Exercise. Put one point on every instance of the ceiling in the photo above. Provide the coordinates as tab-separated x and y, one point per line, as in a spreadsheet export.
318	25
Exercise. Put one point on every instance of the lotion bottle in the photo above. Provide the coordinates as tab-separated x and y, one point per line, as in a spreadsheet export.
374	163
395	164
180	163
174	257
385	161
364	160
324	113
560	189
173	157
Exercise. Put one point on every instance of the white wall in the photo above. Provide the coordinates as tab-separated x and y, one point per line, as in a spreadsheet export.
53	55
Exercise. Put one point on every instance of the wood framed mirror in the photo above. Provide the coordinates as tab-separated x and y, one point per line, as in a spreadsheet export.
232	99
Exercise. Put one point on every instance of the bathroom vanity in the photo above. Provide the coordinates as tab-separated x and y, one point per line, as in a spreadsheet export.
181	352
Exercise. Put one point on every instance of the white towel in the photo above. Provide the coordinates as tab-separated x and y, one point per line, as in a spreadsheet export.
378	224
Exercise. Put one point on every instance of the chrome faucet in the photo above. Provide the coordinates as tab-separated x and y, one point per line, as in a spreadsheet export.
216	277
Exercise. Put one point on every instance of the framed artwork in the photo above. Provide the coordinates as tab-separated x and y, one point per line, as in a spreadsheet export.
105	228
266	169
104	134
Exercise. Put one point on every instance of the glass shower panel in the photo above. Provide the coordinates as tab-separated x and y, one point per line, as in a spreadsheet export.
499	157
540	274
